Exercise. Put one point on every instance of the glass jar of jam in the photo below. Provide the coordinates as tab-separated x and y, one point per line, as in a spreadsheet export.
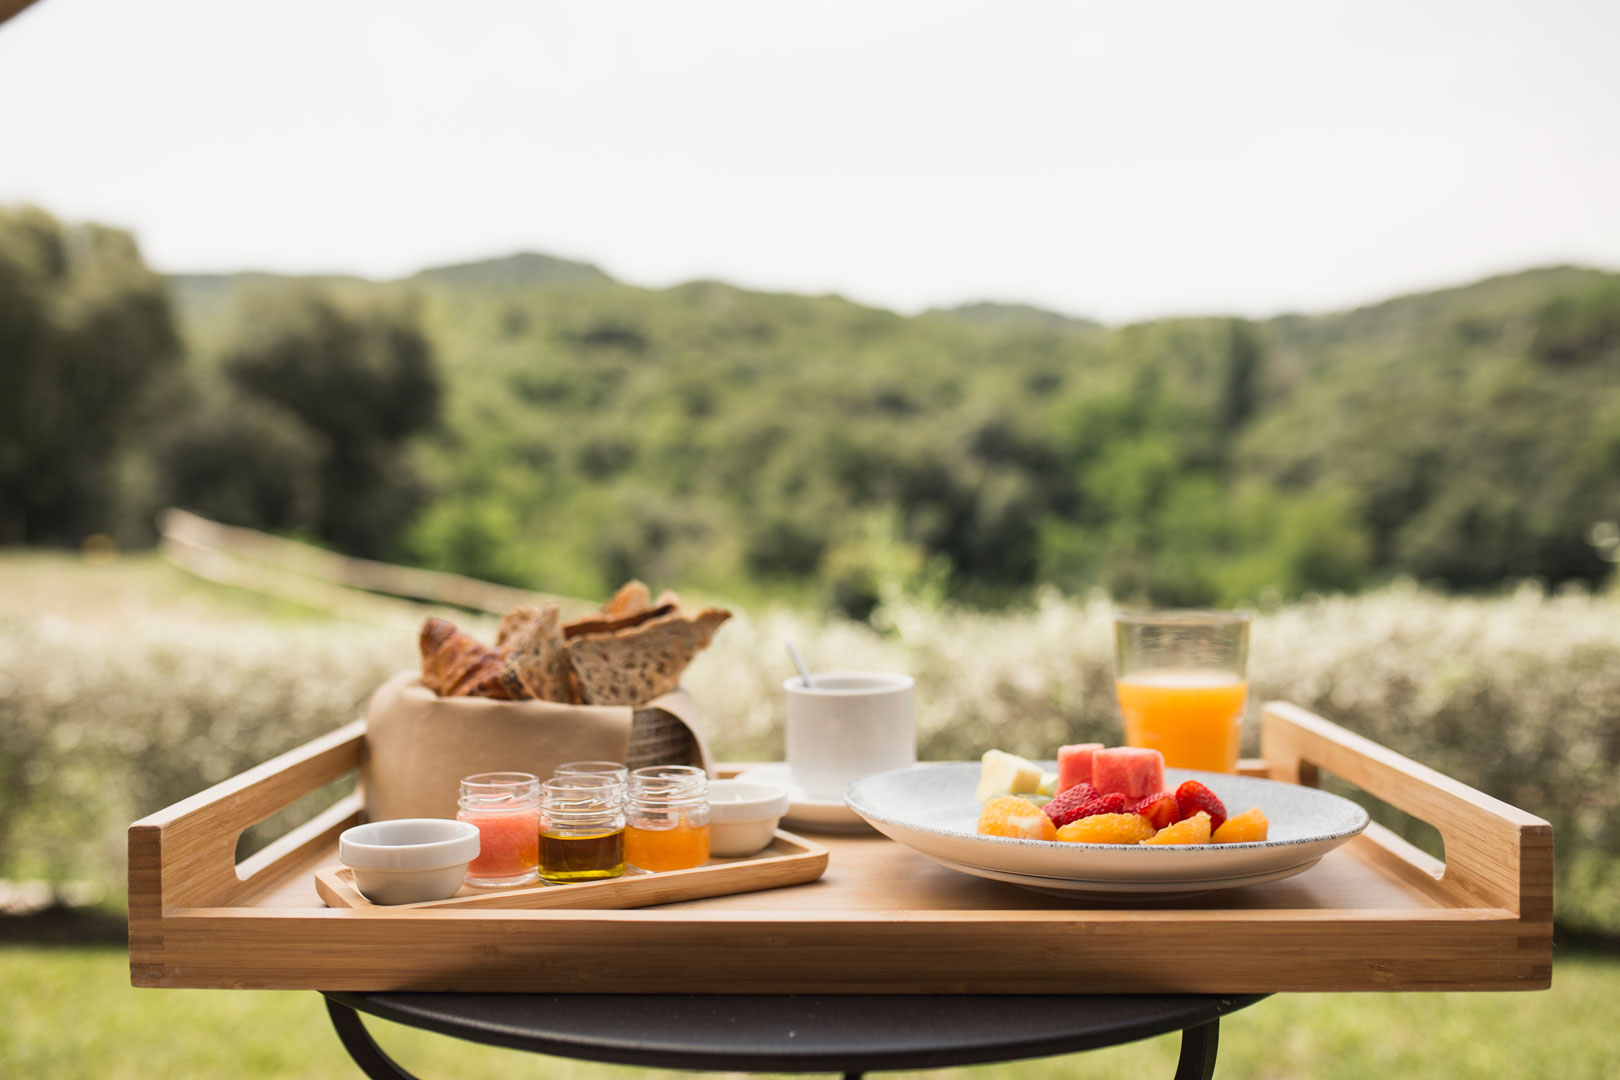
582	830
667	818
506	809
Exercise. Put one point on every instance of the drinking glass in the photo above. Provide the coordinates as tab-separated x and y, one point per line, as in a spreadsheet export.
1182	680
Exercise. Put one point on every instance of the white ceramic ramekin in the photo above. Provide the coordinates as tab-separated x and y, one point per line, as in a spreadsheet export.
743	815
409	860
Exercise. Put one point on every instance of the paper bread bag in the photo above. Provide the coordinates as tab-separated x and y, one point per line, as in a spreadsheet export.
420	745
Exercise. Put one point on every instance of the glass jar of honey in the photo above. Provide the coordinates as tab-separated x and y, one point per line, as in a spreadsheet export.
582	828
667	818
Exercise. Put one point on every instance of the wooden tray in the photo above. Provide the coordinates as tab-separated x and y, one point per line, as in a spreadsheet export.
789	860
1375	914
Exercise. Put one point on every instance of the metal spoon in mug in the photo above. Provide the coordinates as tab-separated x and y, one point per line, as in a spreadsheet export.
804	672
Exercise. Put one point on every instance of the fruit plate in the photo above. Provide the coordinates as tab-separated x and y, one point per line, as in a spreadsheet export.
932	810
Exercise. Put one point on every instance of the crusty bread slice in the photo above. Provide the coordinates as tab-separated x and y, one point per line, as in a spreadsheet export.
633	596
631	606
513	623
636	664
601	623
536	657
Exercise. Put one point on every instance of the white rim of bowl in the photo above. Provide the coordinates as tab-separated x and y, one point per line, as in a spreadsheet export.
363	847
767	801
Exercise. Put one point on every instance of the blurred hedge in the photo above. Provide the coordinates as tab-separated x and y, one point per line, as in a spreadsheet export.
1519	696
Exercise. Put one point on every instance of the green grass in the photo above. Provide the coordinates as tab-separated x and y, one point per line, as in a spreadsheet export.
70	1012
36	582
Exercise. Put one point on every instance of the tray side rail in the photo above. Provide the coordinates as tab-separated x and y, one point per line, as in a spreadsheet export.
185	854
1496	855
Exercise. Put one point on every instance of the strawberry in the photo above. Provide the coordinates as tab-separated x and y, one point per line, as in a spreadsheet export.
1069	798
1161	809
1192	797
1082	801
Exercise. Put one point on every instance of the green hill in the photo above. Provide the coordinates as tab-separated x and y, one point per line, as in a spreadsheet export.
720	436
514	271
1015	317
205	298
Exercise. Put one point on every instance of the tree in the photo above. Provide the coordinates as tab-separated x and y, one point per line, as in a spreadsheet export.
360	380
86	336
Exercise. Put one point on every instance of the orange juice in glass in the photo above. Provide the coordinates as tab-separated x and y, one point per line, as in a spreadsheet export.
1180	677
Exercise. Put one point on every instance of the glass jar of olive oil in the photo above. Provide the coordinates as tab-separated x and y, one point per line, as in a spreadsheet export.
581	828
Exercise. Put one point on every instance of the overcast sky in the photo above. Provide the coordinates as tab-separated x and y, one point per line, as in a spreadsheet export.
1116	160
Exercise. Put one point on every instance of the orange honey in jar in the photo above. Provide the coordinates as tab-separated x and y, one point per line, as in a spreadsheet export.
679	848
667	819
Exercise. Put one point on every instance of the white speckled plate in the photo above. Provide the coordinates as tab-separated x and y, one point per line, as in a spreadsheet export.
931	809
1123	891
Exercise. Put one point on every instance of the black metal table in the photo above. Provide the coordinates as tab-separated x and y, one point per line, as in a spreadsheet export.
849	1034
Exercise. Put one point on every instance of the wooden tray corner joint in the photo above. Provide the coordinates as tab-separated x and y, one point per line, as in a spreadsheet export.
1496	855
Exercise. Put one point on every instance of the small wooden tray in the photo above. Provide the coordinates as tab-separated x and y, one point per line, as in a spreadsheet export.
1374	914
789	860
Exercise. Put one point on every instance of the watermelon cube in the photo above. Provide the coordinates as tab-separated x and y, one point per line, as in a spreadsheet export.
1074	764
1132	771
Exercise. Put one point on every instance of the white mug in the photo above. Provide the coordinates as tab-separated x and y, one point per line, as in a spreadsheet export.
848	725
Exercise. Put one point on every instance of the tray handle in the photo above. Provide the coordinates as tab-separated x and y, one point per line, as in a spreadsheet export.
185	855
1496	854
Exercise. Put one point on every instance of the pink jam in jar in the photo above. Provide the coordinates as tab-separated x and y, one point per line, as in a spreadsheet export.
506	809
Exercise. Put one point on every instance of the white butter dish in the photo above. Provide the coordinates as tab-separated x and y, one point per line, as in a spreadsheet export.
743	815
409	860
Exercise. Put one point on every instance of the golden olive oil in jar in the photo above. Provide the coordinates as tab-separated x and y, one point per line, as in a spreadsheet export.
572	857
582	828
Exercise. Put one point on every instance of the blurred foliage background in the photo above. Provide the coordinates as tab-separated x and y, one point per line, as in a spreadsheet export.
531	421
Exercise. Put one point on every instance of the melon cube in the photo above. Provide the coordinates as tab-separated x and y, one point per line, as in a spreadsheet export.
1133	771
1001	773
1074	764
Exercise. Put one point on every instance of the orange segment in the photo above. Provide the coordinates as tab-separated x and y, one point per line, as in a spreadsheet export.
1008	815
1193	830
1247	828
1107	829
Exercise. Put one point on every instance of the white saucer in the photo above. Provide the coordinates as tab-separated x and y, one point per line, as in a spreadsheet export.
804	812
